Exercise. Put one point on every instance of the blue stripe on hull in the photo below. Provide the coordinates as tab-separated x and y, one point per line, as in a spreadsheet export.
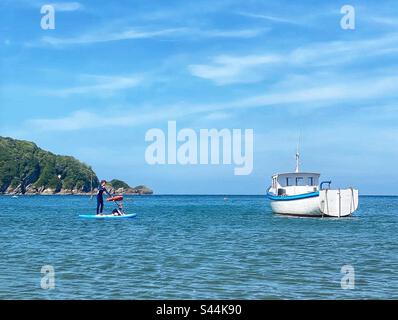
295	197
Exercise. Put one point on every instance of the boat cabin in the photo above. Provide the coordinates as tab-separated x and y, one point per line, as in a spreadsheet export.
294	183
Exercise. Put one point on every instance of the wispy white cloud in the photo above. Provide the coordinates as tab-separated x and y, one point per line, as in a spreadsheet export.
388	21
67	6
303	97
90	38
336	52
217	116
228	69
97	84
239	33
234	69
76	121
343	90
59	6
142	33
270	18
83	119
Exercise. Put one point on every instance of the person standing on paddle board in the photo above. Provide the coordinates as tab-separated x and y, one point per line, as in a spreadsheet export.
100	198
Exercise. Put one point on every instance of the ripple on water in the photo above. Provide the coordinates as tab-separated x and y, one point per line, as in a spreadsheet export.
195	247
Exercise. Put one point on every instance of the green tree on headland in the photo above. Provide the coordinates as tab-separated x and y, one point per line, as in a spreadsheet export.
24	167
117	184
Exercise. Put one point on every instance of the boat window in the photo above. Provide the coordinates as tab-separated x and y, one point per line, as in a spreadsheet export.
281	192
311	181
288	182
300	181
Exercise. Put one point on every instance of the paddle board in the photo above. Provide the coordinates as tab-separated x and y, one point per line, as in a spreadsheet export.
106	216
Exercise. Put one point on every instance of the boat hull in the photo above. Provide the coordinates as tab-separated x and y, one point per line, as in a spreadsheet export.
332	203
299	207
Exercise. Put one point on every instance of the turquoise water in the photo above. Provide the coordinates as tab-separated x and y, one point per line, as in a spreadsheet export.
195	247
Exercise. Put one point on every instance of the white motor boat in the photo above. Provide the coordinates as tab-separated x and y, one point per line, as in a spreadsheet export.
300	194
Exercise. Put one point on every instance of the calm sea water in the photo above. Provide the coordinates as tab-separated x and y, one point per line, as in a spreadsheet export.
195	247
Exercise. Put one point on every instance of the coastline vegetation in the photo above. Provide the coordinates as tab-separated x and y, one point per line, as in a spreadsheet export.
26	168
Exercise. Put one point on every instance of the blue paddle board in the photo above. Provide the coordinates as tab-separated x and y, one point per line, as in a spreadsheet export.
106	216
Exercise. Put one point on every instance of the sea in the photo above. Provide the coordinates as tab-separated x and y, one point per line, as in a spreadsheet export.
195	247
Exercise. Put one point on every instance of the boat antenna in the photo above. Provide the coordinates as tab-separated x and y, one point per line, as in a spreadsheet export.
298	156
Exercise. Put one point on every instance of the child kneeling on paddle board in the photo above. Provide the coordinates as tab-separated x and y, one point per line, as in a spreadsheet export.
119	211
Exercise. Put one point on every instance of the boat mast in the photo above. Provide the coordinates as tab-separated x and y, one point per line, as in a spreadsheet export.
298	156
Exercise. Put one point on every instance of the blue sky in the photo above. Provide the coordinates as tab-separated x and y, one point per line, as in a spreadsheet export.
111	70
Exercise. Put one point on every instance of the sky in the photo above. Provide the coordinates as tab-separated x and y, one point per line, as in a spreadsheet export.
112	70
